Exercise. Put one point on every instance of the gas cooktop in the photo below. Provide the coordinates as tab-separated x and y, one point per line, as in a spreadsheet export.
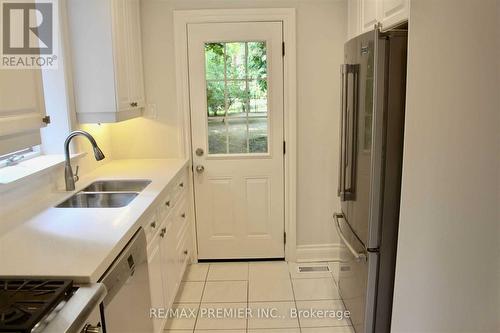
24	303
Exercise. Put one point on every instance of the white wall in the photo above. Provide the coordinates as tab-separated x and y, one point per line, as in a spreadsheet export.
447	267
321	32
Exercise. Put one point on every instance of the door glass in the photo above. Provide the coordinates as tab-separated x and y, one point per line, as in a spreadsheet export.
237	108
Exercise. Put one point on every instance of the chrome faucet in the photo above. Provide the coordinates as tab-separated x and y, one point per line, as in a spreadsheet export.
68	172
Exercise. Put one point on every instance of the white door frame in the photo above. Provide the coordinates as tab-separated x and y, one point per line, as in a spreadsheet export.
286	15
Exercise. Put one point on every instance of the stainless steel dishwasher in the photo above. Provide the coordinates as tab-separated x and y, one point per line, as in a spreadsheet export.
127	305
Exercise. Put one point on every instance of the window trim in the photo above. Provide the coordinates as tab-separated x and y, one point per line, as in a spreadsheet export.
24	154
34	167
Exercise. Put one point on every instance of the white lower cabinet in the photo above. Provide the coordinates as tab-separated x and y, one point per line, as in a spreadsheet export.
170	267
169	248
156	281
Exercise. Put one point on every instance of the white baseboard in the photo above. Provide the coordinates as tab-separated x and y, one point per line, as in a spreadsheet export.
318	252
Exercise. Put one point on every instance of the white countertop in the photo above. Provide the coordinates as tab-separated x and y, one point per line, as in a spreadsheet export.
81	243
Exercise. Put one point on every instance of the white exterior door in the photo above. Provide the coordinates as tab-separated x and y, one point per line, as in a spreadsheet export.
236	95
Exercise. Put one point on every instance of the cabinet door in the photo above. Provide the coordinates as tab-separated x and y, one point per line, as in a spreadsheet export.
120	53
134	54
353	21
156	280
393	12
21	113
369	14
169	262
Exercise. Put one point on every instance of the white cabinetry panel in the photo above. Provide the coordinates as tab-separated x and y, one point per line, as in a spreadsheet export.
369	14
169	246
107	59
363	15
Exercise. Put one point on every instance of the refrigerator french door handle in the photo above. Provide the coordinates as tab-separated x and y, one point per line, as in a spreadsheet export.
351	191
347	158
343	107
358	256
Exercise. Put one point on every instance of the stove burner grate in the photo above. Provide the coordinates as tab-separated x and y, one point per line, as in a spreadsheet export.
25	302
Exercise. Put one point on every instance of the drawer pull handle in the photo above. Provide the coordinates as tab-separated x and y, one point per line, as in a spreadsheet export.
153	224
163	231
183	215
167	203
185	252
181	184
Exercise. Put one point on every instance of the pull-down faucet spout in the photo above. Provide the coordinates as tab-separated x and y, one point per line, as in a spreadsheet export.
68	171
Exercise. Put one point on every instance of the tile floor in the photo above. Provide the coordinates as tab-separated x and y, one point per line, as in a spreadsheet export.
258	297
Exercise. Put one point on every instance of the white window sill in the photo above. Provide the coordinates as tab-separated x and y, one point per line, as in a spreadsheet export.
36	166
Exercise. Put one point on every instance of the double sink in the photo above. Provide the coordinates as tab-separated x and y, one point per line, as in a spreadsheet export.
106	194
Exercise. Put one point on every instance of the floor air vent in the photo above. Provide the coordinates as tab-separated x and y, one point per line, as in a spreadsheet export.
304	269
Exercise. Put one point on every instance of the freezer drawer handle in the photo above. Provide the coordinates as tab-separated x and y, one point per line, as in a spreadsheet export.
358	256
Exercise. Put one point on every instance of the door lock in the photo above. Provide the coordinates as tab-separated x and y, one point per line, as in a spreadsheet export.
200	168
199	152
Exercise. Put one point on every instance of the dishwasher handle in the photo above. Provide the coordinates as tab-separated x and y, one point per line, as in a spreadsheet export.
358	256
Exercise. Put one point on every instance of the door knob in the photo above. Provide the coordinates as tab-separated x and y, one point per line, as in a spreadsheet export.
200	168
199	152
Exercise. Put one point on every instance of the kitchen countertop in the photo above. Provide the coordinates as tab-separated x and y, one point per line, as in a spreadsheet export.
81	243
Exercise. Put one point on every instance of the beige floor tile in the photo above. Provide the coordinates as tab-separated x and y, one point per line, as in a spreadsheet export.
184	316
271	270
265	290
222	331
332	313
315	289
295	274
196	272
338	329
190	292
272	315
225	291
228	271
221	316
275	330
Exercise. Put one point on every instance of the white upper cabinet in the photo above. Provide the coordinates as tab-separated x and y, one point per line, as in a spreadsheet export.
353	21
369	14
363	15
22	109
393	12
105	39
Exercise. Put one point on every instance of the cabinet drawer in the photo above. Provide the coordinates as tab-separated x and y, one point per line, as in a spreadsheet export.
151	225
181	217
180	185
174	192
166	207
184	252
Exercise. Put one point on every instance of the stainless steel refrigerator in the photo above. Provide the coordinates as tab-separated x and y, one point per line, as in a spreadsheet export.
372	130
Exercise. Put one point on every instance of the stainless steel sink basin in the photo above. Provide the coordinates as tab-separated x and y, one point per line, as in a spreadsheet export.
98	200
117	186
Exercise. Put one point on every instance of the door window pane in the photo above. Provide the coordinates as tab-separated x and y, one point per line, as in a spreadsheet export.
237	103
214	61
215	98
217	138
237	136
257	60
237	98
236	60
257	135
